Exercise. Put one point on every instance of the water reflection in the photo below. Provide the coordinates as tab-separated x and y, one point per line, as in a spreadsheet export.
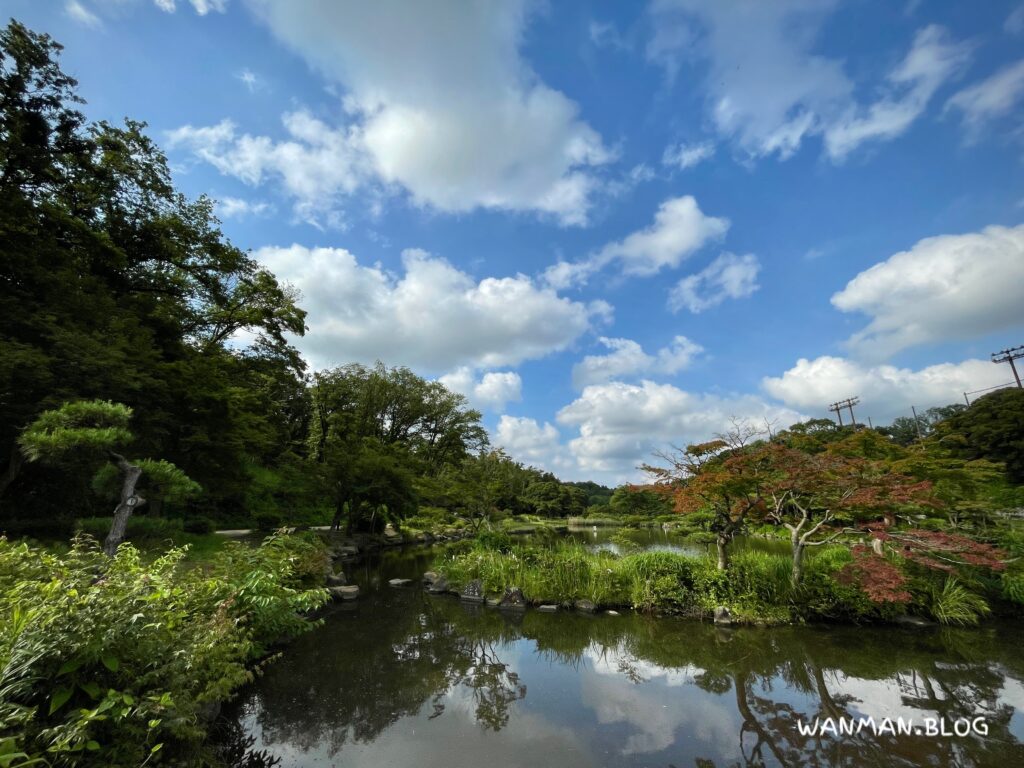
407	679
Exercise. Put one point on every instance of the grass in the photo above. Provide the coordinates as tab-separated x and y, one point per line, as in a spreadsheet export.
756	587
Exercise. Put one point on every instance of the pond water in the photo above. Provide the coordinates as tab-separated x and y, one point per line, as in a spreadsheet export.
401	678
620	540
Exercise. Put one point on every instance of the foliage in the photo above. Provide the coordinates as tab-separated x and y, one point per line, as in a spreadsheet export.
119	662
992	428
878	577
94	425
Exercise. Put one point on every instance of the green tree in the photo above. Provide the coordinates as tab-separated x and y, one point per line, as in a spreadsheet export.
992	428
94	429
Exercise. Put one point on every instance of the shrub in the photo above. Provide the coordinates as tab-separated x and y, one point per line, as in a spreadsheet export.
268	520
120	662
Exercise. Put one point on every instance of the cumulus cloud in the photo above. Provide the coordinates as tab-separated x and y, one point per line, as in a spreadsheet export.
990	99
627	359
432	317
237	208
768	90
727	277
945	287
688	155
492	391
530	442
620	425
438	102
885	390
932	60
316	164
679	229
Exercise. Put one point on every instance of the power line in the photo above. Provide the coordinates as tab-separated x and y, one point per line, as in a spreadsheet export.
1008	356
837	409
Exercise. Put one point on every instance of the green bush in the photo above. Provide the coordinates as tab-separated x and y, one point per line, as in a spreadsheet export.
268	520
118	662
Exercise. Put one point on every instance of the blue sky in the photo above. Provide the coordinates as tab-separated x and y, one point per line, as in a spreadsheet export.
614	226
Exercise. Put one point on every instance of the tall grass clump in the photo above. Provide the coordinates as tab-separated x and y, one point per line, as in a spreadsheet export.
952	603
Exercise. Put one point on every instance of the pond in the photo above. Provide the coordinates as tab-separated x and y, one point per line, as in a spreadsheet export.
660	540
401	678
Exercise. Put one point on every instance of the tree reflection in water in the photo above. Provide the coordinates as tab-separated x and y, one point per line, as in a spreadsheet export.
402	656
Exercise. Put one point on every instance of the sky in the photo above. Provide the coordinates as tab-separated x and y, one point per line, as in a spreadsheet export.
613	226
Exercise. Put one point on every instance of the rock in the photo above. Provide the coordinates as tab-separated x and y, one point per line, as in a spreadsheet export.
349	550
400	582
723	615
336	580
473	592
493	602
430	577
611	613
344	593
390	532
513	599
548	608
914	622
586	606
439	586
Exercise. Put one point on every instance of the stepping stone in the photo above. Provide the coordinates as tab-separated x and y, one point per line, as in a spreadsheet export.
344	593
400	582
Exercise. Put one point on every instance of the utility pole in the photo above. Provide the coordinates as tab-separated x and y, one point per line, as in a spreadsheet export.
917	423
1008	356
848	403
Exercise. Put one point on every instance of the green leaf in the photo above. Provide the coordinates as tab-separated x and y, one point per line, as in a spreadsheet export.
70	666
60	698
92	745
156	748
110	662
92	689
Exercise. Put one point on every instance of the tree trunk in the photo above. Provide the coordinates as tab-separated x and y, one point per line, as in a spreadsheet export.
721	542
797	574
13	469
129	502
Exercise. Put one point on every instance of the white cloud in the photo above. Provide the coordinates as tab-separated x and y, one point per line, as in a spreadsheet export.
532	443
768	89
433	317
1014	23
491	392
628	359
236	207
620	425
249	79
438	102
75	10
885	390
727	277
680	229
688	155
932	60
990	99
202	7
945	287
316	164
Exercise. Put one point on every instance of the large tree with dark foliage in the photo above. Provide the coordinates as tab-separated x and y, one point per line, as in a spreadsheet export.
115	286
